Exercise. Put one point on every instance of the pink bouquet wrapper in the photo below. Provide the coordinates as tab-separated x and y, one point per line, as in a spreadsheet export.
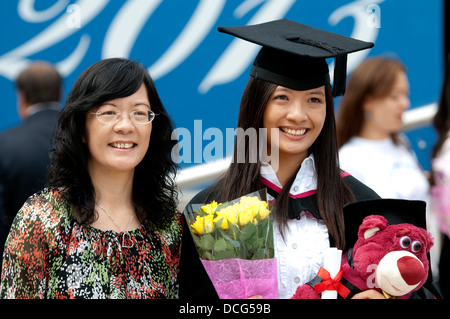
236	278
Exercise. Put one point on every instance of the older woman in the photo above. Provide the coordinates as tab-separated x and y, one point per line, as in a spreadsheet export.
107	225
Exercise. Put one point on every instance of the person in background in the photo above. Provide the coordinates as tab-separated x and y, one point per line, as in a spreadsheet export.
24	149
372	147
440	181
369	122
107	225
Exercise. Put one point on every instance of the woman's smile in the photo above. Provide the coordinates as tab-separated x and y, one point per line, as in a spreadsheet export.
123	145
294	132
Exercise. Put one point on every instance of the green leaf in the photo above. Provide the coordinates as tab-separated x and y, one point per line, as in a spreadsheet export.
220	245
261	254
231	242
262	227
233	230
258	243
207	242
226	254
207	256
197	240
248	232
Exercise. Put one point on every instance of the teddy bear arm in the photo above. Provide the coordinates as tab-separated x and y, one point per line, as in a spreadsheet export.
305	292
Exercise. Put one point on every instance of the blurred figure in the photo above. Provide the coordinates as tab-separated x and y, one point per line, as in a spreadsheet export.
371	145
369	121
24	149
440	181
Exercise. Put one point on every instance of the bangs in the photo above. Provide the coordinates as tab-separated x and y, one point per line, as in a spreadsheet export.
107	80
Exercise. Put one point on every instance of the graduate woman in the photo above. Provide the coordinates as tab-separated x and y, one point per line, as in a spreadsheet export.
289	91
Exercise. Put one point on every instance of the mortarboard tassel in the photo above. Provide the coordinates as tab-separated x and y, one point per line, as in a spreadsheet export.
340	74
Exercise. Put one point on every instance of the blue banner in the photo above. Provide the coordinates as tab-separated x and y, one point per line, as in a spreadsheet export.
199	72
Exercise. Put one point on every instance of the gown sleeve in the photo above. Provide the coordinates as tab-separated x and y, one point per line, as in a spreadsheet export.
360	190
194	282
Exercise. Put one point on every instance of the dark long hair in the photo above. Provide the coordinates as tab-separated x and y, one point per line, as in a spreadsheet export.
441	120
332	192
154	191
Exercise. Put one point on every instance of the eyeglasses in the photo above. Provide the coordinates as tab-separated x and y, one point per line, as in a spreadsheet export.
112	117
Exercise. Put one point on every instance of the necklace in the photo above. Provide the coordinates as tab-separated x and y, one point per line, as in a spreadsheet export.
126	234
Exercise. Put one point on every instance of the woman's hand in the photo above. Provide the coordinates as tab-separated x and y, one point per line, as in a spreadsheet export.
369	294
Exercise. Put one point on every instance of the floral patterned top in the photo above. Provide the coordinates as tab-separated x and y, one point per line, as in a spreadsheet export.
48	254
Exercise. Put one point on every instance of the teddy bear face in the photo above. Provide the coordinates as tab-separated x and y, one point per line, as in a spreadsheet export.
399	272
391	257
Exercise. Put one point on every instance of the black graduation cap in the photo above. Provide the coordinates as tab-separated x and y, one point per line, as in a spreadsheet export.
396	211
293	54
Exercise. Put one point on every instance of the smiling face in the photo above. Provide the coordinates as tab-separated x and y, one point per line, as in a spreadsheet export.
299	116
119	146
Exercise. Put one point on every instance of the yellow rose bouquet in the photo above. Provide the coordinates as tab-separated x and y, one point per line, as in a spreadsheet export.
234	241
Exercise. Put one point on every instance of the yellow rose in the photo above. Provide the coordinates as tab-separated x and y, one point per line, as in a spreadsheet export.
254	205
246	216
227	215
211	207
263	211
247	201
203	225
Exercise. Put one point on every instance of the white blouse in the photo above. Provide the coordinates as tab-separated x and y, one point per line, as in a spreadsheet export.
300	255
390	170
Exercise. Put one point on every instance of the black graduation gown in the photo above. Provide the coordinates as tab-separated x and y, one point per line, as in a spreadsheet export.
193	279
